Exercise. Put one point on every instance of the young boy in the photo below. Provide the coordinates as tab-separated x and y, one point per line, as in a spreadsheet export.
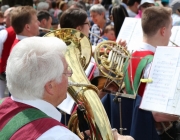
109	34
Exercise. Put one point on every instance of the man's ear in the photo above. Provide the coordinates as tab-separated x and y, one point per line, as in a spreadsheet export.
43	21
49	87
163	31
103	14
79	28
27	27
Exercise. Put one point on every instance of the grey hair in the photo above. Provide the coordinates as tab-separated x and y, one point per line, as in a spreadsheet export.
98	8
33	62
4	8
42	6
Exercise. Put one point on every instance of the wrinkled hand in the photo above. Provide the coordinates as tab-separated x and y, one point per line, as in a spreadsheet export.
122	43
117	136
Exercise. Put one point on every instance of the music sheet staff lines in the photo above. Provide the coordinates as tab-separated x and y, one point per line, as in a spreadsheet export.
162	95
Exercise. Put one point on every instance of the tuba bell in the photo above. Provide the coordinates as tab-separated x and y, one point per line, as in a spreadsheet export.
78	55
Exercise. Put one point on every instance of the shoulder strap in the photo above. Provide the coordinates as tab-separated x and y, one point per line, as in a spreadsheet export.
142	64
26	116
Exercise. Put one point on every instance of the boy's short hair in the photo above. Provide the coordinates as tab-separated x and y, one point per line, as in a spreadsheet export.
154	18
43	15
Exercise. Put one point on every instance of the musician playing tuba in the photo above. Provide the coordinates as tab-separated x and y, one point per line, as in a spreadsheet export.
68	20
156	26
37	78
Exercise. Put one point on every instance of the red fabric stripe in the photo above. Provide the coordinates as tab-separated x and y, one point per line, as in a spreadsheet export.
14	43
134	64
32	130
6	48
35	129
9	109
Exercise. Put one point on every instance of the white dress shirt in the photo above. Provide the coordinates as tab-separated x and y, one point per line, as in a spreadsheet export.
146	47
3	37
20	37
56	132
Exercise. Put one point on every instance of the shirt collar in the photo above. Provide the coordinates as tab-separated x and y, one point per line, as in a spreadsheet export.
42	105
147	47
20	37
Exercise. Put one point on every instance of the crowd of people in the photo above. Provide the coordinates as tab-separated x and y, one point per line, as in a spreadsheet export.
34	71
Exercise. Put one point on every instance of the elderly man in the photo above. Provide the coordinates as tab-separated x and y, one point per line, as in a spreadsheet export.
37	77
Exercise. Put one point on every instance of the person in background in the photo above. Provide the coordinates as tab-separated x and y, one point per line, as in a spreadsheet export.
2	23
29	25
143	5
132	7
7	37
55	11
63	6
79	4
55	23
175	5
118	20
42	6
69	20
4	8
165	3
7	17
45	20
97	13
109	34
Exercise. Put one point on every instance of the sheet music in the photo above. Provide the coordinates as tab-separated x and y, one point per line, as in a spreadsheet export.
89	69
159	95
129	26
131	31
173	107
177	39
136	37
175	32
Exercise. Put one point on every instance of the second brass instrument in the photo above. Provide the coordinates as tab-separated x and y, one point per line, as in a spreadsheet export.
110	58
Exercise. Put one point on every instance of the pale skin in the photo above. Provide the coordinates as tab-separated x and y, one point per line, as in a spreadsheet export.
32	28
55	92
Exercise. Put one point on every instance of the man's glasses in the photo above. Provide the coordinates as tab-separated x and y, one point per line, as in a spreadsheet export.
69	72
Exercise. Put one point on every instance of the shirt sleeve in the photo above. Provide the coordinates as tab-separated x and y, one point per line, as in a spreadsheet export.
3	37
58	133
147	70
93	39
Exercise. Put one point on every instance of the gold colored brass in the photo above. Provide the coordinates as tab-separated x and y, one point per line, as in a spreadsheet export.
110	59
79	40
80	88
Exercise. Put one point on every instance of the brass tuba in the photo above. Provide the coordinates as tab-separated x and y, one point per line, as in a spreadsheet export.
78	55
